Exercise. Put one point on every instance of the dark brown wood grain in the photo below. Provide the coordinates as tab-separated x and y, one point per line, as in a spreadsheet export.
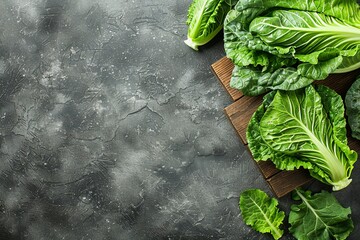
222	70
240	113
241	110
267	168
284	182
340	82
354	144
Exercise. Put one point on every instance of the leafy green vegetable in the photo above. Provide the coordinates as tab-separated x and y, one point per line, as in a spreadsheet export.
319	216
205	20
304	128
286	45
261	212
352	103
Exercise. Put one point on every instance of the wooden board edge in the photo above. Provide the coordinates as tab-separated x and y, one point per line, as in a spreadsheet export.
221	66
234	127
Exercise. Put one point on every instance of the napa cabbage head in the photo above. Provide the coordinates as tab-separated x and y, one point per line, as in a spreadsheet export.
304	128
205	20
287	45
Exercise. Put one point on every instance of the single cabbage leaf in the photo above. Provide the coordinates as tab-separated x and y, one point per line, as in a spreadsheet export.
319	216
304	128
305	31
352	103
346	10
261	212
205	20
303	40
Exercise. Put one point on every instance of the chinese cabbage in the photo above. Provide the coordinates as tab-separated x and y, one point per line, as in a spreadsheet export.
205	20
304	128
300	41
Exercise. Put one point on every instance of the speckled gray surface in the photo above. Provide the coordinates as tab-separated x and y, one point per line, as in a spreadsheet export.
112	128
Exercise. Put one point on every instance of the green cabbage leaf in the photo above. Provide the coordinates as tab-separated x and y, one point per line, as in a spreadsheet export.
260	212
319	216
303	128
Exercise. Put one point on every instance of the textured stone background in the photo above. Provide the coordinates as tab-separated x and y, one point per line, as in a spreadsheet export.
112	128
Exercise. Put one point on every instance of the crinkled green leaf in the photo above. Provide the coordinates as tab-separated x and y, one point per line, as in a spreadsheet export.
252	81
321	70
319	56
320	217
350	62
304	128
260	212
259	148
352	103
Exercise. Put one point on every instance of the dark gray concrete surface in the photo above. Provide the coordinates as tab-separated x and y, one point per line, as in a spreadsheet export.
112	128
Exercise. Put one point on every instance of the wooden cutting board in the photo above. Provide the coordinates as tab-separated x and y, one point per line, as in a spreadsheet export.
241	110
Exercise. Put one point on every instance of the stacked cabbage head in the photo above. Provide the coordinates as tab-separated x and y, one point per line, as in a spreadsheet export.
286	45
